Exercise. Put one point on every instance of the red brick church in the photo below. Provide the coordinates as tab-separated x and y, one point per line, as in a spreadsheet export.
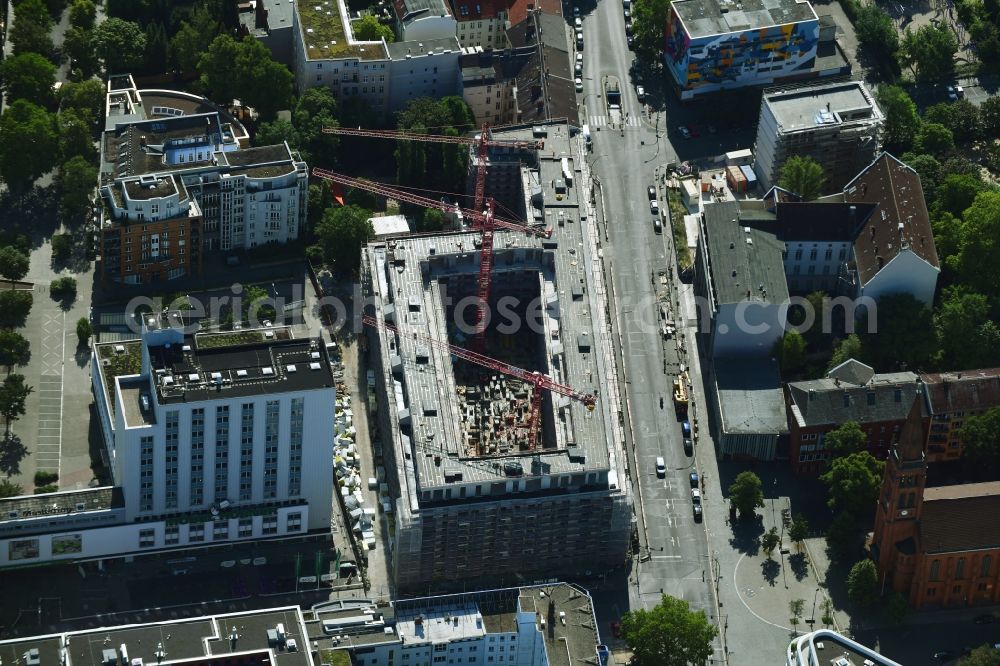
938	547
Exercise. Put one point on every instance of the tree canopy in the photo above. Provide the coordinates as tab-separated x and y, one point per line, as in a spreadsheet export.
901	118
31	27
86	95
368	29
14	394
82	14
802	175
341	233
846	349
862	583
76	183
121	45
981	436
934	139
669	634
193	38
979	244
876	31
792	352
746	494
930	53
28	76
14	264
14	349
649	20
74	134
78	44
967	333
984	655
852	483
245	70
29	144
904	334
434	166
845	439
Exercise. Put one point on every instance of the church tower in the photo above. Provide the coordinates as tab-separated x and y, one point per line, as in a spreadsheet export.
894	540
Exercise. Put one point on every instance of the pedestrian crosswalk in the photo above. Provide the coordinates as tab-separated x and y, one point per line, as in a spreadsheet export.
601	121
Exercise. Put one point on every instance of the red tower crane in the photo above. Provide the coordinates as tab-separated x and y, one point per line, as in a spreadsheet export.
536	379
484	221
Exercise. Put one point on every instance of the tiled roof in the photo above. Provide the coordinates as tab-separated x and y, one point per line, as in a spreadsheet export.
829	401
519	9
961	518
963	391
477	10
901	220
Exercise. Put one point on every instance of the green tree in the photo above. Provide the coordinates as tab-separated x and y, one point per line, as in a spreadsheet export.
317	109
14	307
984	655
669	634
368	29
802	175
798	531
157	51
795	609
85	96
957	192
193	39
746	494
431	165
12	452
904	334
876	31
28	76
432	220
320	198
75	138
14	394
792	349
120	45
82	14
845	439
862	583
989	113
29	144
846	349
981	436
934	139
852	483
245	70
342	233
76	186
649	20
78	45
930	172
968	336
31	27
769	541
930	53
14	264
10	489
901	118
14	349
63	288
979	244
83	331
897	608
962	117
276	131
62	246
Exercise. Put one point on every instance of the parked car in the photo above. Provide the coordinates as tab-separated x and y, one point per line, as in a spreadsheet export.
578	22
631	41
576	10
651	192
696	496
684	131
579	59
686	428
688	446
579	84
694	479
657	225
628	16
696	510
654	207
661	467
640	92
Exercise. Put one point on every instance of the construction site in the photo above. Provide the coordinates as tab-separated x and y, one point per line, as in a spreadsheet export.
500	425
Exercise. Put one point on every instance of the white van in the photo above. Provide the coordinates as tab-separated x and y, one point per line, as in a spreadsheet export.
586	135
661	467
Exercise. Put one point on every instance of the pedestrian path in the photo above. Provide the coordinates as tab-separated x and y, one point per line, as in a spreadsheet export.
602	121
48	448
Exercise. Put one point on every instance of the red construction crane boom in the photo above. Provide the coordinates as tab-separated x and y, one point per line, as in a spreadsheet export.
483	143
536	379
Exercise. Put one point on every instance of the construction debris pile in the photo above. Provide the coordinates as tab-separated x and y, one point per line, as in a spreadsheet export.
495	411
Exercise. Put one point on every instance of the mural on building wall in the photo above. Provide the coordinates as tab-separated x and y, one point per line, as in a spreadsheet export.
67	544
22	549
739	58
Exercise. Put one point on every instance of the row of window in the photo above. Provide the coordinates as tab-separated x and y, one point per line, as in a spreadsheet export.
220	530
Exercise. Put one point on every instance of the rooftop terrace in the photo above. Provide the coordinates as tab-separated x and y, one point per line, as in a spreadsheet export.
325	38
818	106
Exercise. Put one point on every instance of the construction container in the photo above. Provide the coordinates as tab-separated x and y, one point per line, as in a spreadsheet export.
736	180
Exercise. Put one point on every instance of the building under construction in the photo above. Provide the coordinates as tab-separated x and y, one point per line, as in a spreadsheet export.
482	492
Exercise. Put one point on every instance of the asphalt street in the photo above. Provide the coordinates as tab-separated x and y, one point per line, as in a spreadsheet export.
626	158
